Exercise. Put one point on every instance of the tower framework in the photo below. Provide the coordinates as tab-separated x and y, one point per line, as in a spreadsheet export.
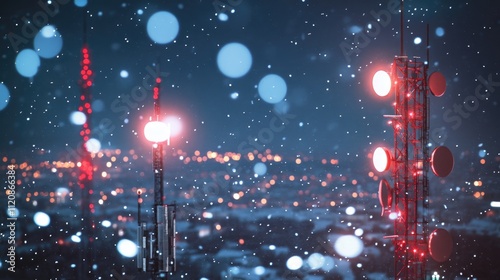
411	185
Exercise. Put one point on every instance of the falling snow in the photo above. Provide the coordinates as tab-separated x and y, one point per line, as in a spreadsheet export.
272	123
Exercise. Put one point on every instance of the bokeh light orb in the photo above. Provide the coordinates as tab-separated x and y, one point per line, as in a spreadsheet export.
359	232
80	3
175	125
98	105
106	223
234	60
439	31
282	107
234	95
157	131
481	153
316	261
223	17
259	270
13	212
93	145
127	248
62	191
381	83
417	40
48	42
4	96
294	263
27	63
272	88
349	246
350	210
41	219
328	264
162	27
124	74
77	118
76	238
260	168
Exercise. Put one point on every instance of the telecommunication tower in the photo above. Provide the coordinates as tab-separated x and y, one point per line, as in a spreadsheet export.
407	200
85	165
157	247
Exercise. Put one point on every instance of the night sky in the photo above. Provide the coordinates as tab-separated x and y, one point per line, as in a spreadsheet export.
325	51
329	93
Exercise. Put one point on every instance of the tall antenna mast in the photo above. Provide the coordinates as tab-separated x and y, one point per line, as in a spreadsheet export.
406	201
401	39
85	179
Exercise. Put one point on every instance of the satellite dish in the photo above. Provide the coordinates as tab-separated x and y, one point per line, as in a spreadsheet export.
437	84
385	195
442	161
440	245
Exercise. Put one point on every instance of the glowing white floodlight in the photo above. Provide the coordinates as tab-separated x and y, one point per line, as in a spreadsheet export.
156	131
381	159
381	83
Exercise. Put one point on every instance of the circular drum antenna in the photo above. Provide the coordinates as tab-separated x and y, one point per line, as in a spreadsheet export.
437	84
385	195
442	161
440	245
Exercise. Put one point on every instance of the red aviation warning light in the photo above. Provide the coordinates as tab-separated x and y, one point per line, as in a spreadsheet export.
381	83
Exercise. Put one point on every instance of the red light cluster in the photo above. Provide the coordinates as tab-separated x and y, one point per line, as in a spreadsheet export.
86	173
156	92
86	73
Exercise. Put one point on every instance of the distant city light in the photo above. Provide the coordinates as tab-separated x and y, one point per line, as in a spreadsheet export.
417	40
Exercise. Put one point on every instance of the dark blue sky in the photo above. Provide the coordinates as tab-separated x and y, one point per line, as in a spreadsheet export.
331	108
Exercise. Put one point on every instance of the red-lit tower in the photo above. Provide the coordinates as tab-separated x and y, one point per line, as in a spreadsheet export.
407	201
157	246
86	167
